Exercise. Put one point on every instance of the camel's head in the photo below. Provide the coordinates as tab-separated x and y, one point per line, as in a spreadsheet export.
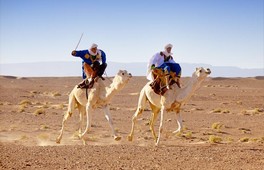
121	79
201	73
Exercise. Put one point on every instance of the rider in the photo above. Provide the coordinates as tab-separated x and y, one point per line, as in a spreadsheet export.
93	64
168	60
164	61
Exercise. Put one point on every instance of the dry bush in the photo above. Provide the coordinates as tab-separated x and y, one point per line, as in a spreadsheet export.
216	125
225	111
255	111
55	94
218	110
215	139
39	111
43	127
25	102
21	108
188	135
229	139
245	139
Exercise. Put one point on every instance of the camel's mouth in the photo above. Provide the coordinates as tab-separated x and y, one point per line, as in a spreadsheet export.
208	71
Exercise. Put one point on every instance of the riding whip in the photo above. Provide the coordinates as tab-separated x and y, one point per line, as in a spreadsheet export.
79	41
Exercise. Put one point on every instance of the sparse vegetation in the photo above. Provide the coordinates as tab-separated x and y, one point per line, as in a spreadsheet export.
25	102
39	111
55	94
188	135
21	108
245	139
229	139
216	125
215	139
43	127
255	111
218	110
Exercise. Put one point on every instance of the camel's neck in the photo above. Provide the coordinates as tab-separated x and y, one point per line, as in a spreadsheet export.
110	91
187	91
114	87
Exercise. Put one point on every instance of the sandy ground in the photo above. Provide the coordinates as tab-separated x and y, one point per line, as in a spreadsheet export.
223	128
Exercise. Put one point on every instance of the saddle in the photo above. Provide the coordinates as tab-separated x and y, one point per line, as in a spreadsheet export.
159	85
98	71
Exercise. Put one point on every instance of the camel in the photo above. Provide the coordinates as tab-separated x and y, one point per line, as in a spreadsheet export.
171	101
98	96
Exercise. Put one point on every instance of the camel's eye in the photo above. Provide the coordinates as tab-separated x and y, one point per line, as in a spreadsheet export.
200	71
123	73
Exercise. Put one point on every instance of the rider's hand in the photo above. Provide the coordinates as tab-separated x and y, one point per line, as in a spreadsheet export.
73	53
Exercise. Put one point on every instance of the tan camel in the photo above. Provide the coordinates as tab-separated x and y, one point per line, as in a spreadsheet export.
172	100
98	96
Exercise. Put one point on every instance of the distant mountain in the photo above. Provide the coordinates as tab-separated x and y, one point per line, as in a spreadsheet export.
63	69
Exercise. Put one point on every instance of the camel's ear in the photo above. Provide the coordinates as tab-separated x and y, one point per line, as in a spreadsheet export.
197	68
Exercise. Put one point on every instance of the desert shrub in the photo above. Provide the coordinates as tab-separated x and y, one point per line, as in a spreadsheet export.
54	94
25	102
39	111
21	108
245	139
218	110
179	134
43	127
216	125
225	111
215	139
229	139
188	135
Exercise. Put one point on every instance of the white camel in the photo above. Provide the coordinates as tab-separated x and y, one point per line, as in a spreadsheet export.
172	100
98	96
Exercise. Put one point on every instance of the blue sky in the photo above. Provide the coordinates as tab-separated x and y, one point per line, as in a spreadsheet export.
216	32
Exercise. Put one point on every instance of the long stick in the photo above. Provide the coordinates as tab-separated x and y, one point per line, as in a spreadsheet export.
79	41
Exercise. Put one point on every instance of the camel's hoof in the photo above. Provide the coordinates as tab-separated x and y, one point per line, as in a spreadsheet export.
58	141
129	138
157	144
117	138
176	131
84	142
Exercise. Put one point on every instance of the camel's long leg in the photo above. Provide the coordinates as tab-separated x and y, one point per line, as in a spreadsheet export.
65	117
71	105
141	105
89	120
155	112
110	121
161	124
179	122
82	113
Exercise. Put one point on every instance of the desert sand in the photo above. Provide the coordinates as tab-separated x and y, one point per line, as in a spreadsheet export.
223	128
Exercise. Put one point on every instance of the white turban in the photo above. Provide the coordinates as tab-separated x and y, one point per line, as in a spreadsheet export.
168	46
94	46
165	51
